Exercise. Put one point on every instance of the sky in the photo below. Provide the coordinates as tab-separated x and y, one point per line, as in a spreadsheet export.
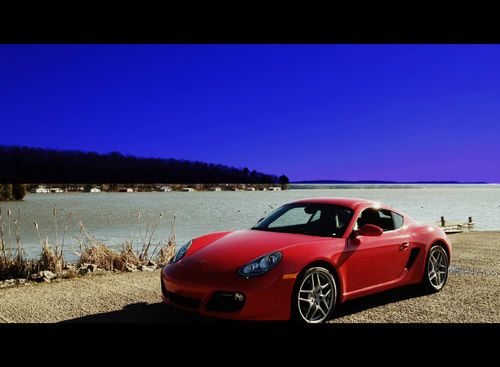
345	112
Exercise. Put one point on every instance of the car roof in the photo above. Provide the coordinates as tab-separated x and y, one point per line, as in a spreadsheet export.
345	202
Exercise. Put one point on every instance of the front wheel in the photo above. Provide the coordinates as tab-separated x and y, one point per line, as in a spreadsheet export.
436	269
315	296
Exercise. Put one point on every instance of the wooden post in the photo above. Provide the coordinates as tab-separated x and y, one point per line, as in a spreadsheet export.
470	219
442	221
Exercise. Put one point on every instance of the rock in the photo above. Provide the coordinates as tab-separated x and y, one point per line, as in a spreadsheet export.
36	277
70	267
21	281
84	271
152	264
131	268
48	275
43	276
92	268
145	268
10	281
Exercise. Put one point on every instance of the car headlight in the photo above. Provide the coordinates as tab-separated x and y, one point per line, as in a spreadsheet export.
260	265
182	251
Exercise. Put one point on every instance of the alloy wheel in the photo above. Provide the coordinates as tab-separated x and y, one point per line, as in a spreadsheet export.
437	267
316	296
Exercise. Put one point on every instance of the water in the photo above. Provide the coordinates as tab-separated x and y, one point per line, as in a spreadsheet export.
112	217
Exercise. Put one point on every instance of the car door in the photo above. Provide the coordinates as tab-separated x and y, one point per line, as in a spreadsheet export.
376	260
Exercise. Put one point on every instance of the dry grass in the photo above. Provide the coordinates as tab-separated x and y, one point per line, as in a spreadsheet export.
14	263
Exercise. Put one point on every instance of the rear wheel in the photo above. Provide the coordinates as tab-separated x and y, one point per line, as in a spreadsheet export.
436	269
315	296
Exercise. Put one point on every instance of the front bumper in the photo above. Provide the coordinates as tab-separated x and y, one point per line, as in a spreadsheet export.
265	298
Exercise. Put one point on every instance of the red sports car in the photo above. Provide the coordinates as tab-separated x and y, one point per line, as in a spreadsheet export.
303	259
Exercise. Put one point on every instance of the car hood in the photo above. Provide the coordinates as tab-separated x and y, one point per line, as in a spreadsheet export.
240	247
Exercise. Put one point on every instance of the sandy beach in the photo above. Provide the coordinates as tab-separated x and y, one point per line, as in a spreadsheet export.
472	294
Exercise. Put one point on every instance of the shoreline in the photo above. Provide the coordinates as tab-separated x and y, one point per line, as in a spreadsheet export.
471	295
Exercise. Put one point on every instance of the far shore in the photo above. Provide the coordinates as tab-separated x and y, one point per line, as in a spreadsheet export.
127	188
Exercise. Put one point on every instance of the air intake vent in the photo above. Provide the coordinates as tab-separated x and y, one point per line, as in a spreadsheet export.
413	256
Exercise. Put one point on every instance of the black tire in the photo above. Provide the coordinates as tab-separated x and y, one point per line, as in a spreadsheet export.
435	271
321	303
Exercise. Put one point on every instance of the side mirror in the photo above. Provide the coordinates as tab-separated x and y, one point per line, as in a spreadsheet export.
370	230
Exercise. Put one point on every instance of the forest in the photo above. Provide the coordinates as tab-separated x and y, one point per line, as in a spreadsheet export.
29	165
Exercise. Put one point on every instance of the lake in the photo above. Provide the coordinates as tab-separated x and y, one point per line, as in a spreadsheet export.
113	217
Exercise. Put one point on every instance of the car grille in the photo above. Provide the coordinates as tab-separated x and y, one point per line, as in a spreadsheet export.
225	302
183	300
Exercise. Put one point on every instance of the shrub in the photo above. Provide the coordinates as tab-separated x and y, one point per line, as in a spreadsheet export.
18	191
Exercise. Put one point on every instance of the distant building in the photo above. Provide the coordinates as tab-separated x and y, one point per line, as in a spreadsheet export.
217	189
274	188
250	189
40	190
188	189
95	189
126	189
165	189
55	190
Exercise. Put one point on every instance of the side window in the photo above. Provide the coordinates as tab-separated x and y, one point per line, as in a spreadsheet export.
381	218
368	216
386	221
398	220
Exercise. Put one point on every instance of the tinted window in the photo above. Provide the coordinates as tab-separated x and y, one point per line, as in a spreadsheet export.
381	218
312	219
398	220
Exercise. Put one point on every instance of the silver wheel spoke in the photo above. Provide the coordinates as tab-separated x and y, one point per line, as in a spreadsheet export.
309	311
318	280
321	310
314	313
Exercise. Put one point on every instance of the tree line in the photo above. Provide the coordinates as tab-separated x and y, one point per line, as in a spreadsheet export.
12	191
36	165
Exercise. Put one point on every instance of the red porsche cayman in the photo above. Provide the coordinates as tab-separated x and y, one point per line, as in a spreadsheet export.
303	259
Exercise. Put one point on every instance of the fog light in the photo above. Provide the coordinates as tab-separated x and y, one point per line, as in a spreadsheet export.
239	297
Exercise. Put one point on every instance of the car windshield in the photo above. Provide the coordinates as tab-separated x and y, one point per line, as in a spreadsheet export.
307	218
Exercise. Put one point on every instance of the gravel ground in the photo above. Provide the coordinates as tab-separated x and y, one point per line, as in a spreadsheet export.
472	294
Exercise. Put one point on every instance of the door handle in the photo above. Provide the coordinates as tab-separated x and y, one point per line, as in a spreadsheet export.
404	245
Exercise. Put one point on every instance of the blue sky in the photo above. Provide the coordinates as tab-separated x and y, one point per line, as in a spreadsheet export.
381	112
